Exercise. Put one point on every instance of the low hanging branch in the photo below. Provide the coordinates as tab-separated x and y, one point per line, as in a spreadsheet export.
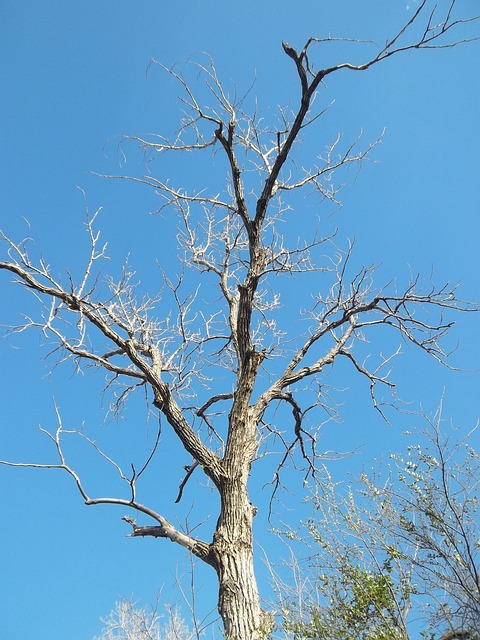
197	547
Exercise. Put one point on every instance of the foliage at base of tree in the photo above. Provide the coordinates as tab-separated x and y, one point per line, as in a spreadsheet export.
396	552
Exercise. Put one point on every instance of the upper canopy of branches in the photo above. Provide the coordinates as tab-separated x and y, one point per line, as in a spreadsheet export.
174	345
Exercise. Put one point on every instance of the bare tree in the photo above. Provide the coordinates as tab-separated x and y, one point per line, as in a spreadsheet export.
230	235
128	621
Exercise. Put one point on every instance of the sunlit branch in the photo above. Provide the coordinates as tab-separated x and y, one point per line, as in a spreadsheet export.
164	529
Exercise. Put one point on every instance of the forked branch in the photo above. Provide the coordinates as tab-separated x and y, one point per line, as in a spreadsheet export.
164	528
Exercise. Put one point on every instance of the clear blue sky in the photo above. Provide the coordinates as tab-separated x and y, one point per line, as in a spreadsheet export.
73	78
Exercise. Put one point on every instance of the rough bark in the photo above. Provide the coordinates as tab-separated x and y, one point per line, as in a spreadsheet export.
232	546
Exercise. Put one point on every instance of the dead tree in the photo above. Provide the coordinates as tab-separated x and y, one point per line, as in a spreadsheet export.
230	234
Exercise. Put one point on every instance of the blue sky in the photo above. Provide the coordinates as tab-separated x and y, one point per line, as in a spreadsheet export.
74	78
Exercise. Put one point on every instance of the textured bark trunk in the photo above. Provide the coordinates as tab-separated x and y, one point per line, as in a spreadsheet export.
232	545
239	600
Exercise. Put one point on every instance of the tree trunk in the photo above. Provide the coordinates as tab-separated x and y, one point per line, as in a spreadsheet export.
238	599
232	545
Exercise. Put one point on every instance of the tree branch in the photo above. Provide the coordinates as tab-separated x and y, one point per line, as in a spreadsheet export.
165	530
